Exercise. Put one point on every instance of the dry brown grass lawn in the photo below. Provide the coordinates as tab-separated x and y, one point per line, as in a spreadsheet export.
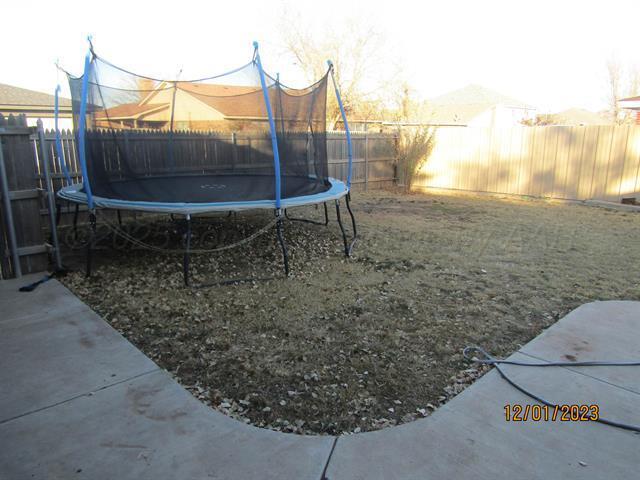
376	340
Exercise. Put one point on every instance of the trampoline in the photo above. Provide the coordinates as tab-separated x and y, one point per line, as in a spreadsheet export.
194	194
237	141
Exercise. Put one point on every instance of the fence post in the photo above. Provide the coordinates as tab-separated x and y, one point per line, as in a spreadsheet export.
234	141
394	158
44	157
11	230
127	148
366	160
308	143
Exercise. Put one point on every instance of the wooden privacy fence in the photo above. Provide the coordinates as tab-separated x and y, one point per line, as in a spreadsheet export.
157	152
23	246
373	156
373	167
574	163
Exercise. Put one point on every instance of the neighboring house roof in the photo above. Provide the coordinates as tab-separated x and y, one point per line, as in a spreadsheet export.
22	97
632	103
461	106
576	116
478	95
231	101
130	111
456	114
216	90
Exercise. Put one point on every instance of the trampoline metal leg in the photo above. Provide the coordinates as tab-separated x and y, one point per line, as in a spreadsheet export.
353	224
75	221
295	219
119	218
91	240
344	233
58	213
283	245
58	208
185	260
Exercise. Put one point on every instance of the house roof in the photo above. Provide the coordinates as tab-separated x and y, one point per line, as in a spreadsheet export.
631	103
577	116
478	95
460	106
232	101
10	95
229	100
456	114
130	110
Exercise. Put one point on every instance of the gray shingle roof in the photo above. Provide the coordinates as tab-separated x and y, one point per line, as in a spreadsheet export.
478	95
456	114
576	116
461	106
10	95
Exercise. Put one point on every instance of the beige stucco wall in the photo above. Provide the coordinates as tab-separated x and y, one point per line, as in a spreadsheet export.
187	109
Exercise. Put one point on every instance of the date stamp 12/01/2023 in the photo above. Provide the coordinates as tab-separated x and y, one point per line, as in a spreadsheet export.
555	413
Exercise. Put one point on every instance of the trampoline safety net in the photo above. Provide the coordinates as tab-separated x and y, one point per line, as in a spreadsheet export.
205	140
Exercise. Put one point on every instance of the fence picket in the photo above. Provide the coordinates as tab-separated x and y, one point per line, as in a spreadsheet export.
577	163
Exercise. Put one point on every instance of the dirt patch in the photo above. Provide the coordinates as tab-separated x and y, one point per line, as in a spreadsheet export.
376	340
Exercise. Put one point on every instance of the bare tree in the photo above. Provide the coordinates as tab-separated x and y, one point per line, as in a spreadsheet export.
356	50
622	82
406	106
614	81
633	83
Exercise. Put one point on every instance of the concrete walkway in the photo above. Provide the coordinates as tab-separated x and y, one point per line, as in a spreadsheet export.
79	401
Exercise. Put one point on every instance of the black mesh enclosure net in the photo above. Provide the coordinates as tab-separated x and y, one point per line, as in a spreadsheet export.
200	141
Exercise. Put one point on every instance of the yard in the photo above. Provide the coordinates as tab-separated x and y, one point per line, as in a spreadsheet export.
348	345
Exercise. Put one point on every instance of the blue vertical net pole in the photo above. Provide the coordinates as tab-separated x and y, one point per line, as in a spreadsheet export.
82	126
56	115
272	126
344	121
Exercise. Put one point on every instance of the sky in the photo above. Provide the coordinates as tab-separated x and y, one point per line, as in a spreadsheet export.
551	54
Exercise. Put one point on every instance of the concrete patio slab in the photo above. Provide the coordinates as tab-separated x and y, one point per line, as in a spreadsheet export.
151	428
595	331
49	298
469	437
565	386
79	401
60	352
